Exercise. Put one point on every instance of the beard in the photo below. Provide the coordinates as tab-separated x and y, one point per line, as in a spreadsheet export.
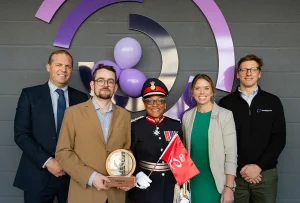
106	95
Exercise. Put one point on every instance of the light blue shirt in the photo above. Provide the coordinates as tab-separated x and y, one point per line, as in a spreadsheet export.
54	98
249	98
104	118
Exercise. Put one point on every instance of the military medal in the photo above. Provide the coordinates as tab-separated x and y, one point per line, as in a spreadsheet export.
169	135
156	131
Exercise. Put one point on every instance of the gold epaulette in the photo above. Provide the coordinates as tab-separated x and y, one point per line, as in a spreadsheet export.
135	119
176	119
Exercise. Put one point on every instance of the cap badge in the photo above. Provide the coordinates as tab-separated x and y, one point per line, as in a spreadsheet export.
152	87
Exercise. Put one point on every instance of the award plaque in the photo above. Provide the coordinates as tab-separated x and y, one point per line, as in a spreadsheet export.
120	165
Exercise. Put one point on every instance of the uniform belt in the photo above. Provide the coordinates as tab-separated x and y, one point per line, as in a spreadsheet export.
150	166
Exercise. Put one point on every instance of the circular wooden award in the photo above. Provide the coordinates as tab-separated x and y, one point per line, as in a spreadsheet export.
120	165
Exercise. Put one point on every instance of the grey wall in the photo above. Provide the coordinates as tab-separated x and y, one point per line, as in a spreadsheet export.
268	28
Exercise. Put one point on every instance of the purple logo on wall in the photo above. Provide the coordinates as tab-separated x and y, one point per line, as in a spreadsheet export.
209	8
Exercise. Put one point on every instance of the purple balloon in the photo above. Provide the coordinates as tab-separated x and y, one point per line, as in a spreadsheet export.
108	63
131	82
127	52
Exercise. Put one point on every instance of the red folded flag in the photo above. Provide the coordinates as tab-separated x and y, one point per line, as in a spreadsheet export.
181	164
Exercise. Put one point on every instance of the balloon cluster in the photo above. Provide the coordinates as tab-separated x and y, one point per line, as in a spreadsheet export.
127	54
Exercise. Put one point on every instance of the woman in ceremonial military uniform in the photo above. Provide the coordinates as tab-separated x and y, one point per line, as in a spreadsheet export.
150	135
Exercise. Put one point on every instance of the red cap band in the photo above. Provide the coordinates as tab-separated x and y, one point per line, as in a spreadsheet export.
157	89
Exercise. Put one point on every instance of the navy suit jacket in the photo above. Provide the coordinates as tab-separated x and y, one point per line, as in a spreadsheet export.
35	134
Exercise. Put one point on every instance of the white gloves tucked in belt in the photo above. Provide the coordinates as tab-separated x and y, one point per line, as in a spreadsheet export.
142	180
182	198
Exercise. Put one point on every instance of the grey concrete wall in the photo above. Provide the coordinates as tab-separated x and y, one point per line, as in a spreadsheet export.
268	28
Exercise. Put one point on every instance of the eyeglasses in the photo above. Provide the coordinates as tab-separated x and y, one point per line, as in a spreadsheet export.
100	82
245	70
158	101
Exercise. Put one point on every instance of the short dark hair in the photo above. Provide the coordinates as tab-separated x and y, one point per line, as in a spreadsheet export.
205	77
61	51
251	57
102	66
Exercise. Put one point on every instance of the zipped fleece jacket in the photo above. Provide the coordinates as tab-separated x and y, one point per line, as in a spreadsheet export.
261	128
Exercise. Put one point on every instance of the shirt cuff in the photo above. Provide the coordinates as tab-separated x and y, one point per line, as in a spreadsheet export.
44	166
90	183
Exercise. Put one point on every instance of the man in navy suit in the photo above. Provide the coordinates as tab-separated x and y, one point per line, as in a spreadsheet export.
37	124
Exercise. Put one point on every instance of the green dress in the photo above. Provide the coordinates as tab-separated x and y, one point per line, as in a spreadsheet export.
203	186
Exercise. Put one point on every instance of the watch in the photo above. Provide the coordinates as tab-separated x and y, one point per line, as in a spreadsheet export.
231	188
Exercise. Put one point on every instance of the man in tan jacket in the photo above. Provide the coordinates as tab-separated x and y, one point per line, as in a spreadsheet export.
89	133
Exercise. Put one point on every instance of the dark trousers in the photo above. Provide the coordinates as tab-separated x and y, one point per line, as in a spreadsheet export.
263	192
55	188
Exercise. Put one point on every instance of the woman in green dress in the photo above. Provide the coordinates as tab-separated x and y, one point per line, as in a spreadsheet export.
210	137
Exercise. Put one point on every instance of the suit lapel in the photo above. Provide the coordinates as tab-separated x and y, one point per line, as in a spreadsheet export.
46	104
212	127
71	98
191	121
113	120
189	126
91	113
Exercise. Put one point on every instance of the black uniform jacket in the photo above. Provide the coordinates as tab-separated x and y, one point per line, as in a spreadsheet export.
148	144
